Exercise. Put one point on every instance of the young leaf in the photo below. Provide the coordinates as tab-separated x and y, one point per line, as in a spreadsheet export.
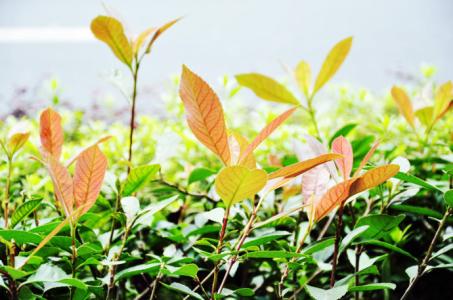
303	77
332	63
342	146
17	141
158	32
442	100
111	31
238	146
267	88
24	210
366	158
138	177
334	196
63	184
373	178
303	166
237	183
404	105
204	114
266	132
88	177
51	132
425	115
141	38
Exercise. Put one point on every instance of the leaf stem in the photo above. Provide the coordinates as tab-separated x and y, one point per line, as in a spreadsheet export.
219	249
7	188
337	244
422	267
312	113
133	107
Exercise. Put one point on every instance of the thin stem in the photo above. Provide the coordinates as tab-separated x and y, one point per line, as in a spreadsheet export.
7	188
422	267
155	282
117	256
337	245
132	122
112	229
200	283
312	114
358	253
219	249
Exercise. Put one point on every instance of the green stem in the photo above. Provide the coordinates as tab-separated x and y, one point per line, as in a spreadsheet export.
112	229
312	113
7	188
132	122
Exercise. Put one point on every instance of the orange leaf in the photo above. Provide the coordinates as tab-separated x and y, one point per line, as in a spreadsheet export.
204	114
373	178
366	158
404	104
303	166
51	132
333	197
342	146
159	31
62	182
88	177
267	131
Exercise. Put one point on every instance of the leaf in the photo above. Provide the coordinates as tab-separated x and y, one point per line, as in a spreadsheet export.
332	63
366	158
130	206
425	115
343	131
351	236
63	184
138	177
318	246
88	177
20	237
159	32
204	114
448	198
51	132
272	254
417	181
266	132
378	225
175	286
263	239
111	31
330	294
24	210
238	145
342	146
373	178
153	208
332	198
237	183
303	77
189	270
388	246
404	105
199	174
267	88
141	38
245	292
373	287
138	269
417	210
303	166
442	100
17	141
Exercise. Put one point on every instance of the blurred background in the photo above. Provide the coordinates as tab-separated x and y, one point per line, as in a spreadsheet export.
46	46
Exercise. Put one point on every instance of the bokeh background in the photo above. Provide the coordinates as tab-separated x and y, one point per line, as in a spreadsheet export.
48	42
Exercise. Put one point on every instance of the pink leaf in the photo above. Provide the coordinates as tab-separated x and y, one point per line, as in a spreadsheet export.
342	146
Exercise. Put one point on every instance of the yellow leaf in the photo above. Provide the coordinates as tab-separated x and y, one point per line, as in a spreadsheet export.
238	144
303	77
237	183
51	132
17	141
267	88
266	131
111	31
332	63
425	115
158	33
88	177
303	166
204	114
141	38
404	104
442	100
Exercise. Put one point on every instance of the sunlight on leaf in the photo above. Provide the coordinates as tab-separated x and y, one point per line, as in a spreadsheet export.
51	132
342	146
404	104
303	77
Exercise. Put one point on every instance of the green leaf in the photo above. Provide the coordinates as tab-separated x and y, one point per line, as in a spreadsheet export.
352	236
388	246
14	273
178	287
267	88
343	131
448	197
138	177
260	240
330	294
21	237
189	270
200	174
152	209
24	210
378	225
417	210
373	287
272	254
318	246
244	292
415	180
139	269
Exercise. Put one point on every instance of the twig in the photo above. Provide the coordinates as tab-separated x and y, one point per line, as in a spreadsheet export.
219	249
337	244
132	122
